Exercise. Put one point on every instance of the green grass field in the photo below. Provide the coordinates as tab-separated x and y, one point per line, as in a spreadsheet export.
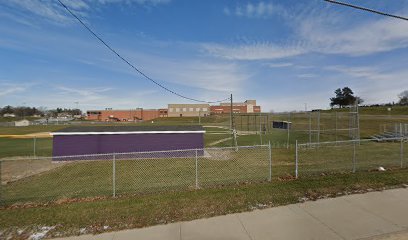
12	147
380	110
47	181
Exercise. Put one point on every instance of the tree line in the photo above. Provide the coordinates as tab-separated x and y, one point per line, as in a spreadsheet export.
23	111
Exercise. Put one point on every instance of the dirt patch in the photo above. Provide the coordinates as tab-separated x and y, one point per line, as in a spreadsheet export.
13	170
30	135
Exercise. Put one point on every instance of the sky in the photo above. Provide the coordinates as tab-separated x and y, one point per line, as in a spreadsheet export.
285	54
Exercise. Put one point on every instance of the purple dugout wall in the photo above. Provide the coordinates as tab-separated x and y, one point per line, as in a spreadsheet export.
67	145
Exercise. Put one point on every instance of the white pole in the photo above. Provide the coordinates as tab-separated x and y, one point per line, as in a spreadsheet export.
196	168
114	175
336	126
34	145
260	127
310	128
358	123
401	133
354	156
318	128
296	160
270	161
402	152
287	143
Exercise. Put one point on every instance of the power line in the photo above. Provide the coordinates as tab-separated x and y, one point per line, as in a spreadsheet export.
130	64
367	9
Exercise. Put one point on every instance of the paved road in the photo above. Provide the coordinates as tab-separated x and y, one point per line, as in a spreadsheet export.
376	215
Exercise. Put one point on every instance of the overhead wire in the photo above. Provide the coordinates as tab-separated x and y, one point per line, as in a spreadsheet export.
131	65
366	9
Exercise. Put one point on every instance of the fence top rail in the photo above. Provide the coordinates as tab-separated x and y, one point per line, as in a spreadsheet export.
352	141
129	153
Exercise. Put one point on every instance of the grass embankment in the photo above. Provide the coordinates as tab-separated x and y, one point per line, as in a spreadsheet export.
42	181
30	129
54	181
147	210
376	110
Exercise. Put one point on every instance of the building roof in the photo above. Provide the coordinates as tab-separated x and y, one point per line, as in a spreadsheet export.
93	130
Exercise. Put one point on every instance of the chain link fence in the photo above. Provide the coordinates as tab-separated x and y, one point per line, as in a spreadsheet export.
44	179
350	156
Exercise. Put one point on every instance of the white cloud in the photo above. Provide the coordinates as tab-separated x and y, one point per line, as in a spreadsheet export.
256	10
52	11
49	10
11	90
84	92
142	2
8	88
307	75
256	51
374	85
357	72
316	37
220	77
316	30
362	39
279	65
203	75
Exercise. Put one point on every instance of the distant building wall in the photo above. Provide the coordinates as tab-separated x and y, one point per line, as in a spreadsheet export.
249	106
22	123
188	110
125	115
227	109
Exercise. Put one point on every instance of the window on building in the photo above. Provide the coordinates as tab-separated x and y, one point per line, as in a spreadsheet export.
170	109
177	109
191	109
184	109
197	109
204	109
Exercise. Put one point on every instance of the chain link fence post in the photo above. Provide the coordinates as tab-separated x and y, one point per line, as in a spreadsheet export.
270	162
296	160
402	152
1	183
114	174
34	145
354	156
196	169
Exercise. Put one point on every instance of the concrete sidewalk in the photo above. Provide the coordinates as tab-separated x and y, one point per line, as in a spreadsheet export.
376	215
